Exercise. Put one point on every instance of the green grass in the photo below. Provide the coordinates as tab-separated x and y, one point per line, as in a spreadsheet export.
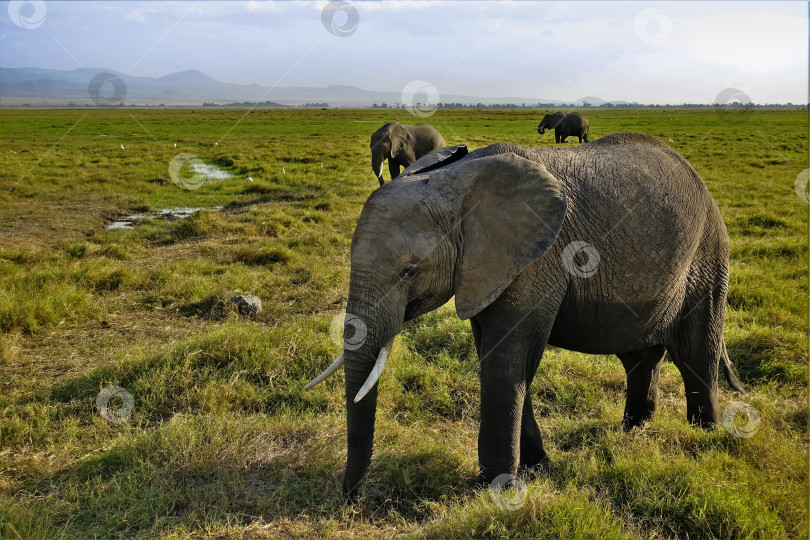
224	442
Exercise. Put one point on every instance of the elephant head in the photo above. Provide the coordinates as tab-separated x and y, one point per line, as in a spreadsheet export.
550	121
386	143
465	229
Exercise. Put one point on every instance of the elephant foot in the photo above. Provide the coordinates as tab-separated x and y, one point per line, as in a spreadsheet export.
632	421
353	497
536	470
703	419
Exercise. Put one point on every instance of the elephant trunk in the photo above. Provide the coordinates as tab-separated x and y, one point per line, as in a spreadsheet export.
360	419
541	129
367	344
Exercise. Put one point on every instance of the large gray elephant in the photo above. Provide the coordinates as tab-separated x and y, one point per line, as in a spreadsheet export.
565	125
611	247
401	145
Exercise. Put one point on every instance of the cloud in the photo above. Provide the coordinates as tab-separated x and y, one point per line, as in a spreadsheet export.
134	15
557	50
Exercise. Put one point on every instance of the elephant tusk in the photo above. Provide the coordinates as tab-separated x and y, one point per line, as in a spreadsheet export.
328	371
376	371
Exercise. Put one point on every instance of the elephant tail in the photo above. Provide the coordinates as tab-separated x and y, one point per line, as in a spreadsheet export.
731	375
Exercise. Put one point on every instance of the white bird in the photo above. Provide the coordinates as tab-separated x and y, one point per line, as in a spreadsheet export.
284	171
122	147
321	164
175	145
249	179
13	152
671	140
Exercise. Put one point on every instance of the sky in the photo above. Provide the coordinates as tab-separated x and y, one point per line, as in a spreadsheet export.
646	52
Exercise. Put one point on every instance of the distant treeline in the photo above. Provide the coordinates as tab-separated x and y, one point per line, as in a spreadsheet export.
324	105
586	105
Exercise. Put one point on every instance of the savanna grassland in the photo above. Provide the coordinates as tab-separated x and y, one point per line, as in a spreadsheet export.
223	440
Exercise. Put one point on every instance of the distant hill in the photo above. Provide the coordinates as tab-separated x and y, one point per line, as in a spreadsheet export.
38	86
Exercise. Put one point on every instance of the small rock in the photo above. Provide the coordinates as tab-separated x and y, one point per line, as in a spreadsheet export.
248	305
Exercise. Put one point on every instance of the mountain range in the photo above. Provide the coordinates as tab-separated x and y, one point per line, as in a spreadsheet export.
38	86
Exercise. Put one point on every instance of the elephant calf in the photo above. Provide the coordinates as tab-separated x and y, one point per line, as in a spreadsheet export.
565	125
401	145
614	247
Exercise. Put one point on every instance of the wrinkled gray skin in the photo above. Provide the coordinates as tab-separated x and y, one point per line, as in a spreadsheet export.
565	125
492	229
401	145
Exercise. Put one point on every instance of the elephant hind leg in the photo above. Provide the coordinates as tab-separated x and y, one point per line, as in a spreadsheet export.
696	352
642	368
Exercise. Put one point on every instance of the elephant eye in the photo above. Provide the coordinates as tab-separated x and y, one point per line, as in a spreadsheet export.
409	271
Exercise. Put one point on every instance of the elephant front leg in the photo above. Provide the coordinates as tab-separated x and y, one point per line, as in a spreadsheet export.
501	414
532	454
393	168
509	353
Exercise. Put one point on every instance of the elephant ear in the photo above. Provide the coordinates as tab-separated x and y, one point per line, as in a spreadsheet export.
436	160
511	212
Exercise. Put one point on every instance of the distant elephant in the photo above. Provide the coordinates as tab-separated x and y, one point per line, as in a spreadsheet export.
401	145
615	247
565	125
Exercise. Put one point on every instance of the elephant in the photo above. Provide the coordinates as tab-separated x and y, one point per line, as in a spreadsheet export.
401	145
565	125
615	247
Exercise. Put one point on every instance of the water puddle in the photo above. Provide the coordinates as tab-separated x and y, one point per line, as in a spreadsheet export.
210	172
180	212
